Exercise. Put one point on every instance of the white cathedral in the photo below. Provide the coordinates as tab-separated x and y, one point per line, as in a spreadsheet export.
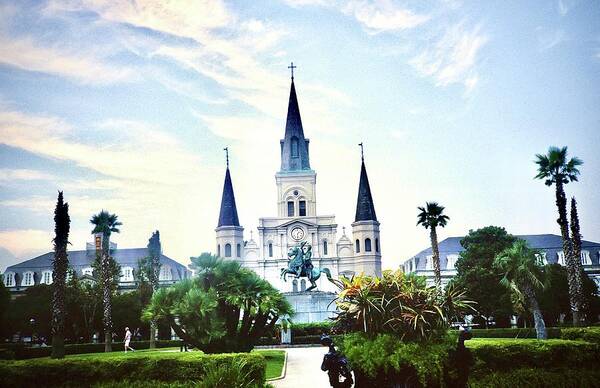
297	221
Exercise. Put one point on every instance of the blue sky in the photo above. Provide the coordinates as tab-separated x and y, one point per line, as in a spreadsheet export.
127	105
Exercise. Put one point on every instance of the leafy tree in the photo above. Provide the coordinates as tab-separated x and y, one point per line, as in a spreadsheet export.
106	223
431	216
397	304
84	307
522	275
148	277
197	262
225	308
36	304
554	298
476	274
556	170
62	224
4	302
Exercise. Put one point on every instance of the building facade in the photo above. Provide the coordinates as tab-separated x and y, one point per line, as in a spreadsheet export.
549	245
17	278
297	220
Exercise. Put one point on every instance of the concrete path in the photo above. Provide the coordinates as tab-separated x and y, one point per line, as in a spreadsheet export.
304	369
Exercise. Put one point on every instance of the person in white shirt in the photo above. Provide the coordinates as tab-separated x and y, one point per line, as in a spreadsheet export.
127	339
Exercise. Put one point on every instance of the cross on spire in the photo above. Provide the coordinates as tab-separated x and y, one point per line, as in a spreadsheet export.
362	151
292	67
226	149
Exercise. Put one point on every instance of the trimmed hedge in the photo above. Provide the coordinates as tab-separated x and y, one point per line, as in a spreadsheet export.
553	332
590	334
311	329
504	354
539	378
162	367
23	352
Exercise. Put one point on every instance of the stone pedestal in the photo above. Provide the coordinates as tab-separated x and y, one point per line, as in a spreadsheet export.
311	306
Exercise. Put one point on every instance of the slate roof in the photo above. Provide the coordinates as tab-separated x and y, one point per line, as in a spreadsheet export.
228	215
365	208
79	260
551	244
294	130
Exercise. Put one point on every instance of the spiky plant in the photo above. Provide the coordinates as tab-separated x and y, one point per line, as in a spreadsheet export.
522	276
106	223
430	217
60	264
556	169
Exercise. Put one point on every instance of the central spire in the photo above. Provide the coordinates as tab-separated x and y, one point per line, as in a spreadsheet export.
228	215
294	147
365	208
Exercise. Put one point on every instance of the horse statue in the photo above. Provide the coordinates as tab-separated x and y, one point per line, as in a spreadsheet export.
300	265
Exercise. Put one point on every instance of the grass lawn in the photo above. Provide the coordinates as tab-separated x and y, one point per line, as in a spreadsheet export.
274	358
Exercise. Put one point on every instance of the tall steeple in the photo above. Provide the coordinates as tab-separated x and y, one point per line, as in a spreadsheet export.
365	208
294	147
228	215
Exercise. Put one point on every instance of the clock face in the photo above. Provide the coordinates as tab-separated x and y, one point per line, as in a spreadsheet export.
297	233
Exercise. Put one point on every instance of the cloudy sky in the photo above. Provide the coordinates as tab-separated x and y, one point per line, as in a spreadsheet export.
127	105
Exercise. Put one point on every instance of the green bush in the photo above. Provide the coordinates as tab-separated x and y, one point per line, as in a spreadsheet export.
505	354
590	334
553	332
162	367
22	352
315	328
538	378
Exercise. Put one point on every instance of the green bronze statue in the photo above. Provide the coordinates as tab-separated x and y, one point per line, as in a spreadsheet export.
300	265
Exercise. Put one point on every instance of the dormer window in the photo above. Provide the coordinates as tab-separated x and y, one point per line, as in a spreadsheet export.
47	277
429	263
126	274
88	271
561	258
27	279
585	258
9	279
451	264
165	273
294	146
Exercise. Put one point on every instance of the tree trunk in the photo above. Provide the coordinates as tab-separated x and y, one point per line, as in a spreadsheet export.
152	344
573	275
540	326
436	259
106	301
576	249
58	302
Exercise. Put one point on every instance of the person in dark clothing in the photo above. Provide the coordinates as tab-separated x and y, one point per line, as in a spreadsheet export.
335	365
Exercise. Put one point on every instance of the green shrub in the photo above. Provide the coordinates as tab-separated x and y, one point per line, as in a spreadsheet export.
590	334
385	359
315	328
163	367
553	332
505	354
539	378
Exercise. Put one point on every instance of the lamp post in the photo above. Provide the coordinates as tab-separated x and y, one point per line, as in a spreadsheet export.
32	323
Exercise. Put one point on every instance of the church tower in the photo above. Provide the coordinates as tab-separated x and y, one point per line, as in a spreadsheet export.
365	228
296	182
230	235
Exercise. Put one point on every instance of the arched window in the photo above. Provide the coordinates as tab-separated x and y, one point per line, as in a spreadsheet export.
367	245
325	248
302	285
238	250
218	250
227	250
357	246
9	279
47	277
270	249
377	245
294	147
302	208
295	286
290	209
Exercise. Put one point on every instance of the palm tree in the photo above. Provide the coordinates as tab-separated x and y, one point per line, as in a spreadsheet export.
557	170
106	223
431	217
62	224
521	266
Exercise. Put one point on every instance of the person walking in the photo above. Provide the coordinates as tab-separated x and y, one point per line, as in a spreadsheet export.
127	340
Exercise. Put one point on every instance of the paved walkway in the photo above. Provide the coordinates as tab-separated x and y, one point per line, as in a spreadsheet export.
304	369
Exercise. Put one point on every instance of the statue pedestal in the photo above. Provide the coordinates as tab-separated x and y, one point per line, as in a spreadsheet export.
311	306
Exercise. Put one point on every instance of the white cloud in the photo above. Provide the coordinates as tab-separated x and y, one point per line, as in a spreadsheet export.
25	54
383	15
7	174
453	57
22	242
564	6
549	39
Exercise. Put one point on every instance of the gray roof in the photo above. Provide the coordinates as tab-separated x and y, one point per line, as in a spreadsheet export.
297	159
549	243
83	259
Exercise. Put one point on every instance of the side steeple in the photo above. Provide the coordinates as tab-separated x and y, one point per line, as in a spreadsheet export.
294	147
365	208
230	235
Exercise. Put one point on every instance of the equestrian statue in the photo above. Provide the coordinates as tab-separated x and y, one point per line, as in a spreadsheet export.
300	265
